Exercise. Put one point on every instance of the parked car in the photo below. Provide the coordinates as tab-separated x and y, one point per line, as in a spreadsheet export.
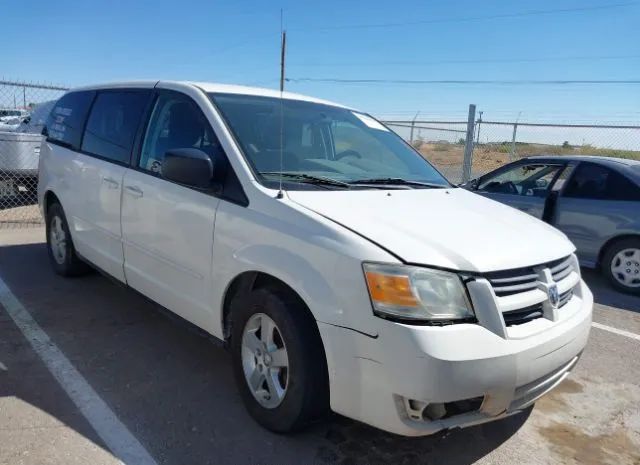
11	114
336	264
19	154
594	200
35	121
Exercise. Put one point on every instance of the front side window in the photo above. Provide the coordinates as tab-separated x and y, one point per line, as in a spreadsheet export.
176	123
322	141
595	182
112	124
530	180
66	118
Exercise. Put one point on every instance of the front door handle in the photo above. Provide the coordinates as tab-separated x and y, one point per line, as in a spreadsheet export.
134	191
112	183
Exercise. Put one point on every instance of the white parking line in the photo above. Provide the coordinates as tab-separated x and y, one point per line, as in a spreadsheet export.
621	332
112	431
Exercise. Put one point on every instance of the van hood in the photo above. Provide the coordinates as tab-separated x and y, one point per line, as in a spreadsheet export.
448	228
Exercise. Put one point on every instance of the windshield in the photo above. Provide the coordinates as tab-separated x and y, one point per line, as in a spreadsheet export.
321	141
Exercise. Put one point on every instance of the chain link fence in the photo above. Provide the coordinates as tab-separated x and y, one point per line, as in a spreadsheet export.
440	142
24	108
496	143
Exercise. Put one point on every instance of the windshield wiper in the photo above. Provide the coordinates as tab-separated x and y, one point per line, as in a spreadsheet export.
309	179
397	182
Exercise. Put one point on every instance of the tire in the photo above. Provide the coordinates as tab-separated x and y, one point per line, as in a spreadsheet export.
621	265
306	395
62	254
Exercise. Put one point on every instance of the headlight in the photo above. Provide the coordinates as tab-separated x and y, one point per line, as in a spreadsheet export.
414	293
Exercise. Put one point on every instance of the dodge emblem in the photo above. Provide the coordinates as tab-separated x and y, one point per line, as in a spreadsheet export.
554	297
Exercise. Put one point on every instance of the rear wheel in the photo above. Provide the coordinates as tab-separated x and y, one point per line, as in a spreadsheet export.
62	254
278	360
621	265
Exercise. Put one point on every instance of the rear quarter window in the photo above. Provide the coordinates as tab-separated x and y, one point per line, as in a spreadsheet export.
66	120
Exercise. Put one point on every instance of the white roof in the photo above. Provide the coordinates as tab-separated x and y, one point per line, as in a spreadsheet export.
258	91
212	87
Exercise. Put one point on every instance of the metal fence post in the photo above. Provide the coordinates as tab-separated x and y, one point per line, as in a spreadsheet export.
468	144
512	154
413	125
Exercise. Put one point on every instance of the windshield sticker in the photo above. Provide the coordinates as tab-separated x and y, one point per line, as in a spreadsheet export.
370	122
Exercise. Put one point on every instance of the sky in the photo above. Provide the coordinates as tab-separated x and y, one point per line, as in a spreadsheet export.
75	42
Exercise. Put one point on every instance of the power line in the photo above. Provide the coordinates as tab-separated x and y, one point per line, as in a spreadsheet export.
469	18
464	82
474	61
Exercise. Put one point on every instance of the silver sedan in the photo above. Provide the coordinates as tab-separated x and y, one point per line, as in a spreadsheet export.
593	200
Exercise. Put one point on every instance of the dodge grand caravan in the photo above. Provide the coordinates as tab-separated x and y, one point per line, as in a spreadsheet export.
338	266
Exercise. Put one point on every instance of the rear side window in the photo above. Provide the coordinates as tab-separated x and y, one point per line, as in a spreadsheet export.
112	124
65	122
596	182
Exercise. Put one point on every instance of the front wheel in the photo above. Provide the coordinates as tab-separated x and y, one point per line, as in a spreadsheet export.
621	265
278	360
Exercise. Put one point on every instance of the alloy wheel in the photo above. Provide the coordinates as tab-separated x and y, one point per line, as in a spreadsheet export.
58	240
265	361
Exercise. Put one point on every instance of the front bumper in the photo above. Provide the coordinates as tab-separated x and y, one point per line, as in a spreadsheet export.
380	380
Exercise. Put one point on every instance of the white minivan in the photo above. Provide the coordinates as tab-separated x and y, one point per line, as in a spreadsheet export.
338	266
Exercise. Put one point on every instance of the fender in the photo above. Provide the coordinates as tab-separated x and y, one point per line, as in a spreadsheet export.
298	273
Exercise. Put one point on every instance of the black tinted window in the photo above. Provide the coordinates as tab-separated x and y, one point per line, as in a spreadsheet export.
592	181
113	123
64	124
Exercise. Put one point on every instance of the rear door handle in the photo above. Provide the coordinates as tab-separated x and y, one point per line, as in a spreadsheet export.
134	191
112	183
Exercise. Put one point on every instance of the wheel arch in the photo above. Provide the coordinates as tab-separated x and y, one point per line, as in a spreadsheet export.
613	241
49	199
248	281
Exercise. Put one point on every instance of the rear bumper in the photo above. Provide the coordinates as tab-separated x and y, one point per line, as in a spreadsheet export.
389	380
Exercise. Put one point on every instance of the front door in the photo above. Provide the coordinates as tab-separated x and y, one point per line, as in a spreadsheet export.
524	186
167	227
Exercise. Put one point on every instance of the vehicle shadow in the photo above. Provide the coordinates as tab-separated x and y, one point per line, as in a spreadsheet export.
174	389
605	294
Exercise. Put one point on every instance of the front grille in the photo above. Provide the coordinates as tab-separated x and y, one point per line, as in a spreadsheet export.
561	269
520	291
510	282
523	315
565	297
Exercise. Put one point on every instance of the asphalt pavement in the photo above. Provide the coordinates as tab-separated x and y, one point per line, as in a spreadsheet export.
91	372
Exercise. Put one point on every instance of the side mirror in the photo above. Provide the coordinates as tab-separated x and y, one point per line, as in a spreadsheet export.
191	167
